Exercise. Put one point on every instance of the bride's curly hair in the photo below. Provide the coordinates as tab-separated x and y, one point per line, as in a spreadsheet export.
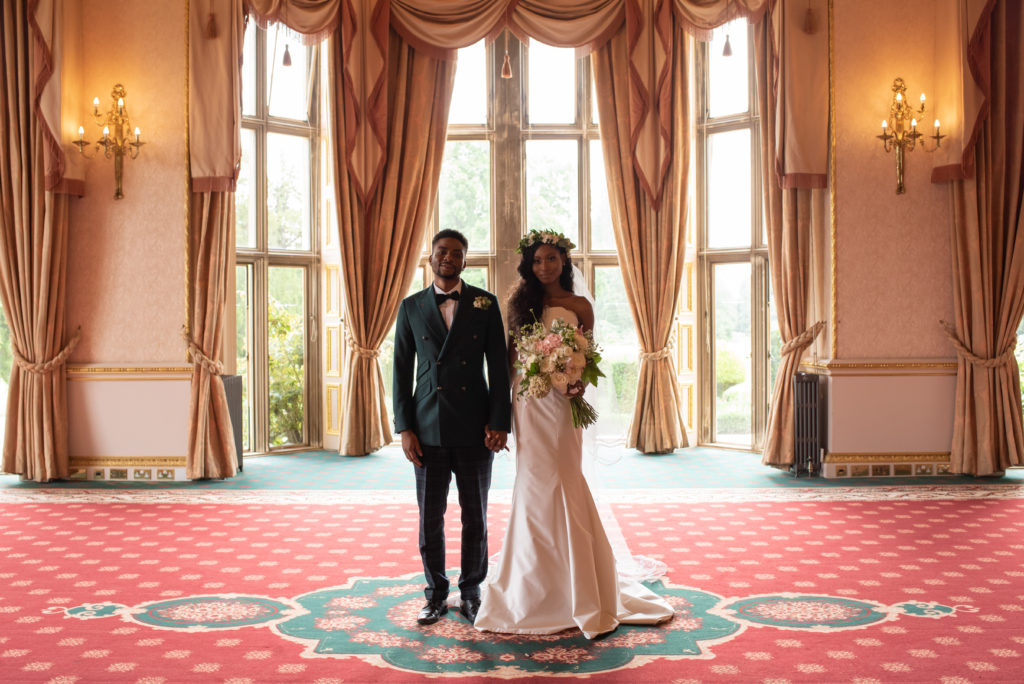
526	299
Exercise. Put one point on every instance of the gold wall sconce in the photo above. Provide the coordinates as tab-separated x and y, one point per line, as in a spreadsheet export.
119	140
900	132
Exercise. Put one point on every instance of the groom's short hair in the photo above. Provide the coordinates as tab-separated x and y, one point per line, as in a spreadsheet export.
450	233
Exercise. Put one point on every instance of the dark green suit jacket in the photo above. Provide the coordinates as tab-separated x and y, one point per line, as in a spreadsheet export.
452	400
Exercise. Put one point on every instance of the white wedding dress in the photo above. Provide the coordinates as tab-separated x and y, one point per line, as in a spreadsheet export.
556	569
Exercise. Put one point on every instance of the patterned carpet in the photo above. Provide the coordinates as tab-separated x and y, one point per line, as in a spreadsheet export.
298	582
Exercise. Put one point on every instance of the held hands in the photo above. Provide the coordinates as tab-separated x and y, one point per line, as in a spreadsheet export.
495	440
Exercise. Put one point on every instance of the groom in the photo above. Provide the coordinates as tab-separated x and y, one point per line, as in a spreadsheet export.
455	417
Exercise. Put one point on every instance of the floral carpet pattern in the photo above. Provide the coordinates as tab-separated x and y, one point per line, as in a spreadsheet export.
375	619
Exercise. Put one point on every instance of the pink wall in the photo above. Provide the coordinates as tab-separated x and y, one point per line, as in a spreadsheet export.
893	251
126	275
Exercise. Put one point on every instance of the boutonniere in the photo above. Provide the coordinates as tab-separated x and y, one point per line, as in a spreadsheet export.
482	303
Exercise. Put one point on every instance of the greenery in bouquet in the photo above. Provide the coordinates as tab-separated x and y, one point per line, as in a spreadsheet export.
564	358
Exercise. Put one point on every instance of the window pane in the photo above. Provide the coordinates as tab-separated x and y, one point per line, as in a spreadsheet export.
731	283
601	236
615	333
243	336
287	96
245	194
286	354
552	84
552	186
6	358
476	276
727	76
249	70
469	96
1019	353
774	339
464	191
288	160
729	189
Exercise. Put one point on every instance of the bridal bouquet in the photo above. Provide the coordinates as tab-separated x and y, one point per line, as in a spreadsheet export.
558	359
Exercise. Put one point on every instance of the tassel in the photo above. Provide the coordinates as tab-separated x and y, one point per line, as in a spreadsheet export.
211	26
727	50
810	21
287	59
506	68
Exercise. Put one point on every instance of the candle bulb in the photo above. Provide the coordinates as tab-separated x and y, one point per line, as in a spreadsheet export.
922	100
120	105
913	125
137	134
106	132
96	106
81	132
885	126
936	125
899	98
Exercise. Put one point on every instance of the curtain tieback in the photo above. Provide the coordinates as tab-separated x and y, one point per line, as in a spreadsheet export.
803	340
364	352
662	353
200	358
970	357
47	367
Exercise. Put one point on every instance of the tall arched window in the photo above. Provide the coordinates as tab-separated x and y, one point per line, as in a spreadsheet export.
277	241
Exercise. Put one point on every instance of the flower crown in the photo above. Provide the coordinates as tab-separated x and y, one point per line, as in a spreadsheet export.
545	237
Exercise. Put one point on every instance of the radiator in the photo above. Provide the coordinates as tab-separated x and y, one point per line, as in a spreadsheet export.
808	423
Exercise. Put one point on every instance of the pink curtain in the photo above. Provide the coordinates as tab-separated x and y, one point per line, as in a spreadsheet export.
988	254
33	243
215	48
381	234
793	178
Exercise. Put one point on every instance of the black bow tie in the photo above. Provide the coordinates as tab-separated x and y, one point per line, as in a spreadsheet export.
440	298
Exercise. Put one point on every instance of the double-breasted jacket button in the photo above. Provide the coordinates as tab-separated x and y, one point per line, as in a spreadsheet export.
438	362
424	337
439	388
463	362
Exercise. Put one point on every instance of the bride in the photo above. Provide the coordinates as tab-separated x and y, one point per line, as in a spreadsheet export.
556	569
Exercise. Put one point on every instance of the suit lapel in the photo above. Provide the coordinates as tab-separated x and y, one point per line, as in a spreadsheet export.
432	314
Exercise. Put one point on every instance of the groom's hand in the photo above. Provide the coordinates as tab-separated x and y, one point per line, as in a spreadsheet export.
411	448
495	440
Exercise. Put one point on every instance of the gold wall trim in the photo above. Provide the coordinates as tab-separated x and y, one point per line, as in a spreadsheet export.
880	368
188	178
834	317
128	369
905	457
127	461
332	398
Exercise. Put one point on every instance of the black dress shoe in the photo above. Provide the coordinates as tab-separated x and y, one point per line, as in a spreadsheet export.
470	607
432	612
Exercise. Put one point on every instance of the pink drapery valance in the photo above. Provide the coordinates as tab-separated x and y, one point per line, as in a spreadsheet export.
442	26
971	86
54	29
215	91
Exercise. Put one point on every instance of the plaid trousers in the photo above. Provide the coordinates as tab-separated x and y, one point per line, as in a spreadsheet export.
472	468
